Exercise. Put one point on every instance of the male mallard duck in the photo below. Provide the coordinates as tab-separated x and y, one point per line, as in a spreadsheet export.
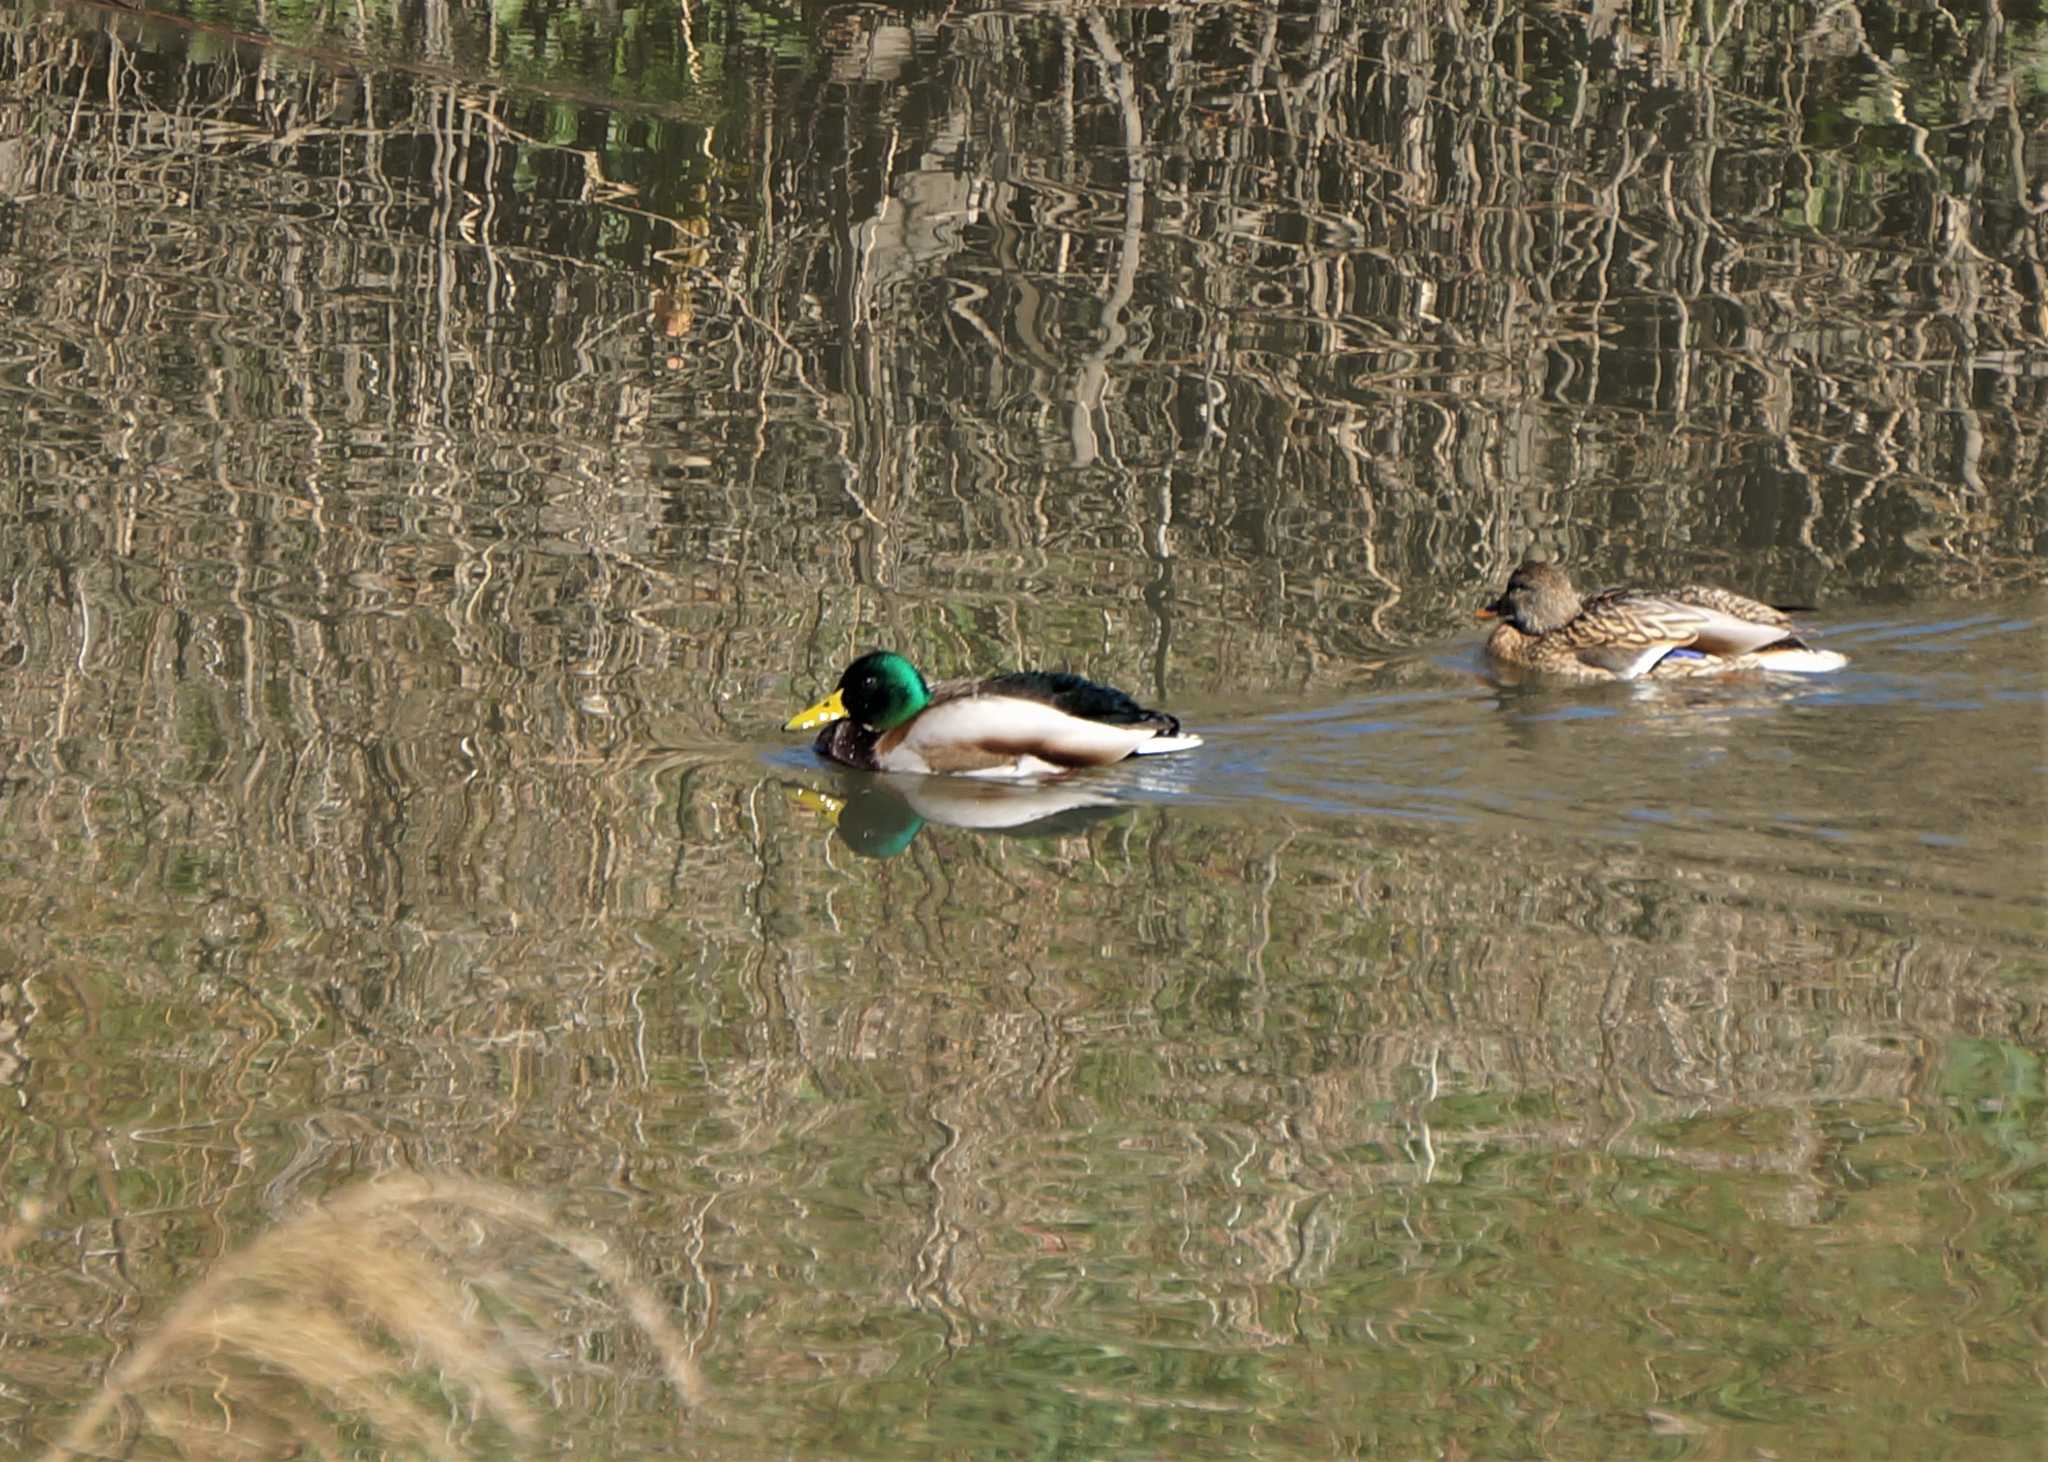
1029	723
1629	634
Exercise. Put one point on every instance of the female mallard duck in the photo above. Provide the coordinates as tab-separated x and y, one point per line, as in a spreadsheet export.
1631	634
1029	723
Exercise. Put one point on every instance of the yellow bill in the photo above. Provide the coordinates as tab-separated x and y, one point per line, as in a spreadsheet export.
830	709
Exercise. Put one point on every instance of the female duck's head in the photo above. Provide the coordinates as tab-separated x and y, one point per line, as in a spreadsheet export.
881	690
1539	599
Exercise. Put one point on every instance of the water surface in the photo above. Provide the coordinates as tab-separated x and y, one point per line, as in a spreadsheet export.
446	444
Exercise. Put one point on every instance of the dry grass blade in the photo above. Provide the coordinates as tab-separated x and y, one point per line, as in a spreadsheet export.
361	1313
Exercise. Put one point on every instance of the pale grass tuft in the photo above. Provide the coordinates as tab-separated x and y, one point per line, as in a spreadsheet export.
406	1313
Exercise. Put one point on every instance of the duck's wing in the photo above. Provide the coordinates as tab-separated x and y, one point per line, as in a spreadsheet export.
1730	624
1724	601
1074	695
1774	643
1629	631
1625	632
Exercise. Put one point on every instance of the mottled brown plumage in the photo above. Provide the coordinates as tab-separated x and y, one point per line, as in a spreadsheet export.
1630	634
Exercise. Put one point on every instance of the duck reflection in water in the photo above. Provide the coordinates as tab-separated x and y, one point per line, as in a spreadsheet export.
879	816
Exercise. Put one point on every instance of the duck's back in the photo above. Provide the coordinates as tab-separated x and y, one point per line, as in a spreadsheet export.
1720	601
1714	622
1071	695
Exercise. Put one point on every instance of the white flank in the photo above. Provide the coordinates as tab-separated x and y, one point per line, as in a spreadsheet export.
1015	721
1003	719
1158	744
1801	662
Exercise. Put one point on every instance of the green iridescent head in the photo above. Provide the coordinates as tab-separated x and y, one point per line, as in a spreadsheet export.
881	690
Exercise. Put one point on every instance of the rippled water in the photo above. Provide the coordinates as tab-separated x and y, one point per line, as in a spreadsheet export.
1905	772
442	1014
